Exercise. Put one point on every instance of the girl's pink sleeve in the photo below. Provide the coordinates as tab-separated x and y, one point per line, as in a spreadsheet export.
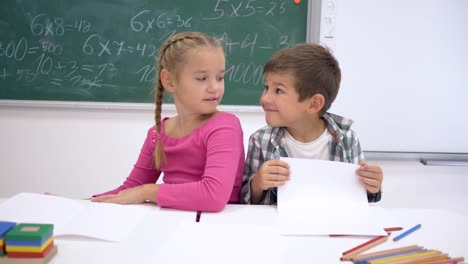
143	171
222	176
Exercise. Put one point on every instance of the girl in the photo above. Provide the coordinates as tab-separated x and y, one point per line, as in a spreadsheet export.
200	150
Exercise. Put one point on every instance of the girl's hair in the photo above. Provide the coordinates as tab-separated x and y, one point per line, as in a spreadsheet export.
314	68
172	54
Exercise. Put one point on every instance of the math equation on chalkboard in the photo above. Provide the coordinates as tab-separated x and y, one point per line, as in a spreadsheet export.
106	50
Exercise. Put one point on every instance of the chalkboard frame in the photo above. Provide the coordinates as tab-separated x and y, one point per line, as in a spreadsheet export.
312	35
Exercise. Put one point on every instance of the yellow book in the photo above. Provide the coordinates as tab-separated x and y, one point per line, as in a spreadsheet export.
29	248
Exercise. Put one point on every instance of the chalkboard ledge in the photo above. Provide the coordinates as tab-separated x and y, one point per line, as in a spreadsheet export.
114	106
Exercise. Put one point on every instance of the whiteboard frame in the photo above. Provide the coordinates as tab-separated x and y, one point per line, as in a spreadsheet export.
382	154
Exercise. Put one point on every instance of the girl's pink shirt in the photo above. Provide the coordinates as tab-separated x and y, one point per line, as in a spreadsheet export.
203	171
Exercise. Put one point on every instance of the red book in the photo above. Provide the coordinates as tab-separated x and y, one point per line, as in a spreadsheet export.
31	254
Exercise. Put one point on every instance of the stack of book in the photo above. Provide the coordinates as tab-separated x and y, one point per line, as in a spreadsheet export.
4	228
29	243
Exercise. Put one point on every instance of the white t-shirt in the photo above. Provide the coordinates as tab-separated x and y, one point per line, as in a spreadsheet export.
317	149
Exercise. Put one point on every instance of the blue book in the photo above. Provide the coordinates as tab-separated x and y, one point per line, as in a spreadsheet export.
5	227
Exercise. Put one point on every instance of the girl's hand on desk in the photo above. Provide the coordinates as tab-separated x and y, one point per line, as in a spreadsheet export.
371	177
135	195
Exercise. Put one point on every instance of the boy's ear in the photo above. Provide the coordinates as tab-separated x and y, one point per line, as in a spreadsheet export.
167	80
316	103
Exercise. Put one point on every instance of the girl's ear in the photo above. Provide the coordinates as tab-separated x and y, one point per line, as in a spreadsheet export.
316	103
167	80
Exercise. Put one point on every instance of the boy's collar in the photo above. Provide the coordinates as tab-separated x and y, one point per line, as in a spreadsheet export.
336	125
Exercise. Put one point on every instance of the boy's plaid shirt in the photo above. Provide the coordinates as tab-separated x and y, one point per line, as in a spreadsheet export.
267	143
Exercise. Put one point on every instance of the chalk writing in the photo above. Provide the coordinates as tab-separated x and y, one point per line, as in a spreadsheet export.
246	8
107	50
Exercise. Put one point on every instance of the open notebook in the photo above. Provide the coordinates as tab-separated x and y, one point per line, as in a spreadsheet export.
105	221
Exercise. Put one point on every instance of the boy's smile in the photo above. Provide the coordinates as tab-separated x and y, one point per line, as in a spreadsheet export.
280	101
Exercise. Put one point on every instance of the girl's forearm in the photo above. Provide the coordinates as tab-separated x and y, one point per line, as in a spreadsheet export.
150	192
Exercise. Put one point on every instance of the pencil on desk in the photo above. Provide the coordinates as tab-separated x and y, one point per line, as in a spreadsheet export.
386	252
448	261
390	229
404	257
407	232
424	259
365	260
363	247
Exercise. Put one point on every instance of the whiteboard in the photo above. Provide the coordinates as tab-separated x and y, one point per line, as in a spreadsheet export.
404	72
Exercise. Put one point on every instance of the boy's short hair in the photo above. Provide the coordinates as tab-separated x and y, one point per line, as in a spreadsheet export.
314	68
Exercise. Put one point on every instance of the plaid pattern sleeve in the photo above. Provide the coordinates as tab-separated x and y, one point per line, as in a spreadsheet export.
251	167
347	147
355	156
353	147
260	150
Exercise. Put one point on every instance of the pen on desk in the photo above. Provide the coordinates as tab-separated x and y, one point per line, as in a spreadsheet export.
407	232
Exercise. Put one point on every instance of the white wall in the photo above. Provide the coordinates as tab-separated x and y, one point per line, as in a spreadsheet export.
76	152
405	72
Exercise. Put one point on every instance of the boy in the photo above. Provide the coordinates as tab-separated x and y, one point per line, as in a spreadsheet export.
301	82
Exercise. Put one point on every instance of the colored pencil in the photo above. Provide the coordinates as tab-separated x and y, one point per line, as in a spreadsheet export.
404	257
406	252
385	252
424	259
407	232
448	261
363	247
390	229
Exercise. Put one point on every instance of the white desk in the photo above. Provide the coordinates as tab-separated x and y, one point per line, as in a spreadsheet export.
249	234
441	230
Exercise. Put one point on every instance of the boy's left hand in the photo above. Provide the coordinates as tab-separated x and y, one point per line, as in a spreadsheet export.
371	177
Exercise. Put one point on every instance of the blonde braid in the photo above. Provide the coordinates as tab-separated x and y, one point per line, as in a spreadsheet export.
159	155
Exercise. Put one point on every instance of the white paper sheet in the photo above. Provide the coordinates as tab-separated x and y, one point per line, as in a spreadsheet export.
105	221
324	197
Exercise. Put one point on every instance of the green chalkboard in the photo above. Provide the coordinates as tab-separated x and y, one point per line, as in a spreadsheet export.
105	50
